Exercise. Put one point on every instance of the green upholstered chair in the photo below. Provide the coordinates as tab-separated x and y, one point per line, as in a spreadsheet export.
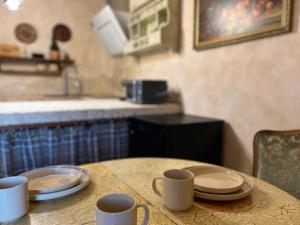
277	159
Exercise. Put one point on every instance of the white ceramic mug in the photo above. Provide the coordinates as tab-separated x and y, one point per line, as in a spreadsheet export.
119	209
178	189
14	198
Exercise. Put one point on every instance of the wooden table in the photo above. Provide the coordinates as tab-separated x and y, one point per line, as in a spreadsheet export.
266	205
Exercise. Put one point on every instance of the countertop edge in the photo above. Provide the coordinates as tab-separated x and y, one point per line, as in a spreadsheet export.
32	118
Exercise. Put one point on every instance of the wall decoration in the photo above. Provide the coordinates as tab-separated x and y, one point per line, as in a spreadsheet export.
26	33
62	33
220	23
154	26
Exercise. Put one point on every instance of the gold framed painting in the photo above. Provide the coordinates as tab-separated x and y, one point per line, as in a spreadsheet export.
223	22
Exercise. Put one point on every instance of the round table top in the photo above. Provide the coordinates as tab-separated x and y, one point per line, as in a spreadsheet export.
266	205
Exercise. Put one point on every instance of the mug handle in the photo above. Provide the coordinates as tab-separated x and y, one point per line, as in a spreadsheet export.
146	214
154	186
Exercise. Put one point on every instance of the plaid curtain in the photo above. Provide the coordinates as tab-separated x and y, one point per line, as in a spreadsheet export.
26	149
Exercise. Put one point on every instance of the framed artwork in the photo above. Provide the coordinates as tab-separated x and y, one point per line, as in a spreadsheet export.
223	22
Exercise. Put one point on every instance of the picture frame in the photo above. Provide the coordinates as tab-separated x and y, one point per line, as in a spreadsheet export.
218	22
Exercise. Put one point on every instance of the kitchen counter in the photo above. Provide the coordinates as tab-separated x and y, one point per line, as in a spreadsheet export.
36	112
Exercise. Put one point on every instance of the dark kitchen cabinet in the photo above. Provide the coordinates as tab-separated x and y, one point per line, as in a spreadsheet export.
177	136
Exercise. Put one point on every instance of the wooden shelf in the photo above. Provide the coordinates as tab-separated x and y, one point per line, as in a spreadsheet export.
34	61
29	73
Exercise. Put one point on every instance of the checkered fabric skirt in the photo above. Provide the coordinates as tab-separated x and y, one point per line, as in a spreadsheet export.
26	149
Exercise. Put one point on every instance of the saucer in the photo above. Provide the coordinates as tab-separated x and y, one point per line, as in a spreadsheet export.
243	192
83	182
51	179
214	179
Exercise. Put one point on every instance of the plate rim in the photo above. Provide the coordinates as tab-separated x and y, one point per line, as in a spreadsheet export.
217	190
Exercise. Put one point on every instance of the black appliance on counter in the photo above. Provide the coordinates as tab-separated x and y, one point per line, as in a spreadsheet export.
145	91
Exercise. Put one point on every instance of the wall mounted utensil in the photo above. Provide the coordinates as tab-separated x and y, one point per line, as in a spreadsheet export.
26	33
62	33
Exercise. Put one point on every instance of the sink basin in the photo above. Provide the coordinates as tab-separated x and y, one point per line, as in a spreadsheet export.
41	98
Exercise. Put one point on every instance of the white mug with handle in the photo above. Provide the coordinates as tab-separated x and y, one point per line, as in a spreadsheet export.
178	189
119	209
14	198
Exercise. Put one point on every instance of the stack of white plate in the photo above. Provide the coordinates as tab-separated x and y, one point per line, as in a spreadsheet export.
54	182
220	184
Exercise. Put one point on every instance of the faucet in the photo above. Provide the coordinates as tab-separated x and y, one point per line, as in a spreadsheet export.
66	72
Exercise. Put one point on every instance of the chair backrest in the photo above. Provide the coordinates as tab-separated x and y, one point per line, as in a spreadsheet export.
277	159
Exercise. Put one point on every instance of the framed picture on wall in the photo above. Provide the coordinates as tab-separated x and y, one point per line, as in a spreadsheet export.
223	22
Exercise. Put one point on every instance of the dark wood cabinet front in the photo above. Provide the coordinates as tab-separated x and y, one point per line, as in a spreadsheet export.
177	136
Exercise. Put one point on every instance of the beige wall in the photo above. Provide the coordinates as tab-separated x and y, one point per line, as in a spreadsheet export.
95	67
252	86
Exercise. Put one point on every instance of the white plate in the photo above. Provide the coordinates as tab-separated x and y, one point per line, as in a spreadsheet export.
83	182
214	179
51	179
244	191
